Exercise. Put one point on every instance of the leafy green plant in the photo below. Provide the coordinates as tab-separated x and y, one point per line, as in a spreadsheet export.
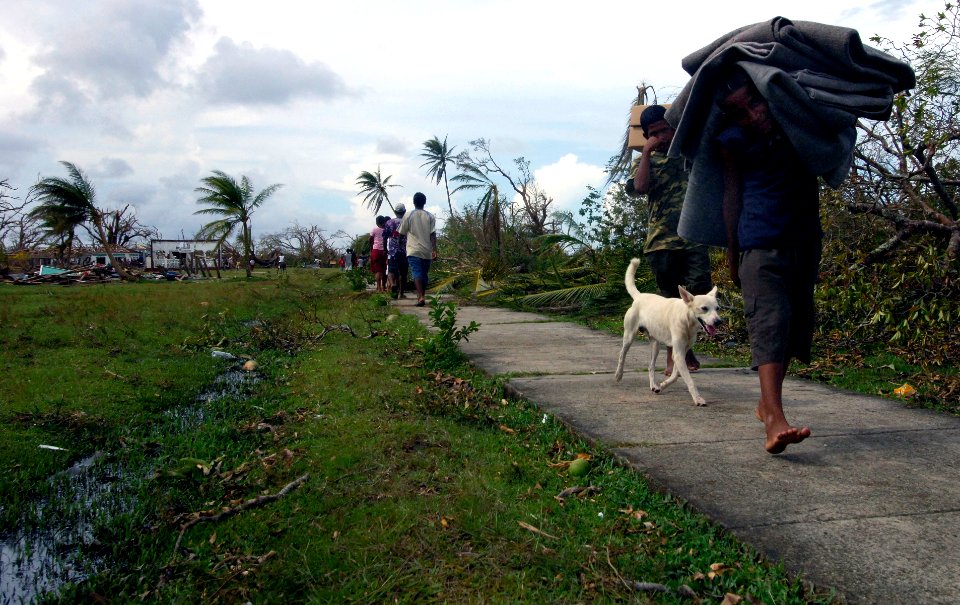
441	348
212	332
358	278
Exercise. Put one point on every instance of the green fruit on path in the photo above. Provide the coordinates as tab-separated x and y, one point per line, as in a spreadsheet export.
579	467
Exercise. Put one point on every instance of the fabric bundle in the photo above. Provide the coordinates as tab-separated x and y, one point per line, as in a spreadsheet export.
817	79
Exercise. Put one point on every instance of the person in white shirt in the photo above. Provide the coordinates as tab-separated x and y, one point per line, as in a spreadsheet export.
420	227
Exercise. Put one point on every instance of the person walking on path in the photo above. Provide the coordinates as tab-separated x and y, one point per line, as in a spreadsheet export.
378	255
281	264
771	209
420	227
761	129
397	265
674	261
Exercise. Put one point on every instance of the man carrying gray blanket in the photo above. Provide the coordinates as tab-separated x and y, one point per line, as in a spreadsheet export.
817	79
770	108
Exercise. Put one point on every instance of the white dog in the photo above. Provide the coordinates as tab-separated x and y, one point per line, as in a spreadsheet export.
674	322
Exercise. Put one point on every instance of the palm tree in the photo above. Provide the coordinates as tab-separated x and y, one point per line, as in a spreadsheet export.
66	204
439	156
373	188
471	179
234	203
59	225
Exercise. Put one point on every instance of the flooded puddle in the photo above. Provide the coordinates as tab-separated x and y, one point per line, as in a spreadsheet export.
56	545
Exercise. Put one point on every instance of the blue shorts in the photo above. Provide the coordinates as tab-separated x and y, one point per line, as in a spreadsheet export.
419	267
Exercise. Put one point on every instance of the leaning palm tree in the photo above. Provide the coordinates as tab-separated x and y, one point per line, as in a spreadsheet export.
59	226
373	188
65	204
472	178
438	156
234	203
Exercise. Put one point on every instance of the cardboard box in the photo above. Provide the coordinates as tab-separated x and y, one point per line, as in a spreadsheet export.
635	138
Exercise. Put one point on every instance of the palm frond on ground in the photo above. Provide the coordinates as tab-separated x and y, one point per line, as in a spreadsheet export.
564	297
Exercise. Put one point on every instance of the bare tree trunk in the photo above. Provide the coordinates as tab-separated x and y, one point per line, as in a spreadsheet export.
124	275
447	185
246	248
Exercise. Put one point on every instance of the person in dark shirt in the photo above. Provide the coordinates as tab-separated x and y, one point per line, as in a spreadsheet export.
771	214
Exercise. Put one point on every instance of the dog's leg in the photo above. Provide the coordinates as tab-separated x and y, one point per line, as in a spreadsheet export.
679	363
631	323
652	368
672	377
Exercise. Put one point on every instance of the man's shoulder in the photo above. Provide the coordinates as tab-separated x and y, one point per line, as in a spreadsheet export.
422	215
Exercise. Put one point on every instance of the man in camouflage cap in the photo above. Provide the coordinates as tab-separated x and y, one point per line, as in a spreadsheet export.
674	261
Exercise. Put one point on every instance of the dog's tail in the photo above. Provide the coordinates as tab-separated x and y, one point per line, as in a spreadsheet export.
630	279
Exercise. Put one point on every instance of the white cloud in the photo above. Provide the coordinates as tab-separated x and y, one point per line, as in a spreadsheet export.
240	73
566	181
115	47
112	168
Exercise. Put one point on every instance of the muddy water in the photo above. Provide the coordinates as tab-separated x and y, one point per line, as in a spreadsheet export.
57	544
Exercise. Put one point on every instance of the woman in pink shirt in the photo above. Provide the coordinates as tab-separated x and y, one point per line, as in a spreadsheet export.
378	255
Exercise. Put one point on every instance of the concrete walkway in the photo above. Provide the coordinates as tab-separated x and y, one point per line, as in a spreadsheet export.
869	505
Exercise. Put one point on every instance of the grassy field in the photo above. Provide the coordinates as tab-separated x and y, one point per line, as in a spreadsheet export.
360	462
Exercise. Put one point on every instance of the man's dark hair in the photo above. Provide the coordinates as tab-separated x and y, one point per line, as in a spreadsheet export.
734	77
381	221
419	200
651	115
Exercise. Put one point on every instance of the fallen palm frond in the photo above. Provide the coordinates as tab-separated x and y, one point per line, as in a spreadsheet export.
444	284
564	297
481	287
561	240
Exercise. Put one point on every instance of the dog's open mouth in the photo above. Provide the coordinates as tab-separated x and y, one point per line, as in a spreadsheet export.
709	329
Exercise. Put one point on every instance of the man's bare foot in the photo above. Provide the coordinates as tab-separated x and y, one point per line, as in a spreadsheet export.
778	440
693	364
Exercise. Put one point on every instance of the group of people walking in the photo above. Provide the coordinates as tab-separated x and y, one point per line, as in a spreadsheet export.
403	245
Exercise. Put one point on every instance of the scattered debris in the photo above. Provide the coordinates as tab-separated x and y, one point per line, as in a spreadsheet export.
577	491
651	587
648	586
906	390
536	530
85	274
251	503
55	276
52	447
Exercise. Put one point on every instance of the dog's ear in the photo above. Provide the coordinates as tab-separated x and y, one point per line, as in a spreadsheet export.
713	292
686	296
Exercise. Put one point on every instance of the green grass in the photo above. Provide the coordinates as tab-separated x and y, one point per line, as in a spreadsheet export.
423	486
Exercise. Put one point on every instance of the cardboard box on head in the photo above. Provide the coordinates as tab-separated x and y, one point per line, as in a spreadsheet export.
635	138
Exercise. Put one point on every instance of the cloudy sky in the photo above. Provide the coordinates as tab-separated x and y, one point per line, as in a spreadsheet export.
149	96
